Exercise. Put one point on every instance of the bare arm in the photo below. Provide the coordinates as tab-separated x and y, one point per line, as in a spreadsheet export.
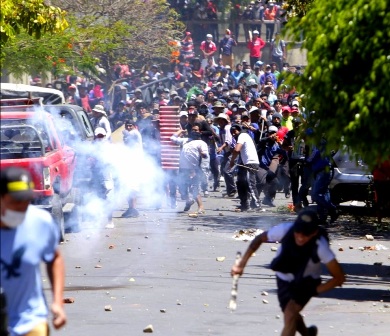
338	277
236	151
56	273
254	245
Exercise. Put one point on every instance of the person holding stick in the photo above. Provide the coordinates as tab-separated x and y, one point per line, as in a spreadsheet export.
304	246
247	176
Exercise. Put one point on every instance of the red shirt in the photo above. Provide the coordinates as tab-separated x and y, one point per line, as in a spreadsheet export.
208	46
255	47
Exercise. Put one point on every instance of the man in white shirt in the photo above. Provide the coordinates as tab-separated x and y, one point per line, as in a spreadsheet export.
304	246
194	154
248	169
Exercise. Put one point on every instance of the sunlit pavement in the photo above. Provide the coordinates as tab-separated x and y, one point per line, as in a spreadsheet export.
162	269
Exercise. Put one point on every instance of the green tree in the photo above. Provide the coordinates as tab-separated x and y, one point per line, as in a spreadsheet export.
31	16
346	81
100	32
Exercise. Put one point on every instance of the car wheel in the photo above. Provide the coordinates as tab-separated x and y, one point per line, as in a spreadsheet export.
58	215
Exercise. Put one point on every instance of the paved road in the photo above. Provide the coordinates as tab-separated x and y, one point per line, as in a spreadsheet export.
172	280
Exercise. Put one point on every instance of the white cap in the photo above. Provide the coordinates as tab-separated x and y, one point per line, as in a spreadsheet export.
100	130
252	81
272	129
256	32
183	113
209	35
295	102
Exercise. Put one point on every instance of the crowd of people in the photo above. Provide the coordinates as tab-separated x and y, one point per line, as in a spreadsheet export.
246	116
258	15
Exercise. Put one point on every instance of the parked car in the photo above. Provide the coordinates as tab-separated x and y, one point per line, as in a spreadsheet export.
351	179
30	140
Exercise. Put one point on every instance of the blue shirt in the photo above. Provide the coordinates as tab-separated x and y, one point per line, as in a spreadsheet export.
22	251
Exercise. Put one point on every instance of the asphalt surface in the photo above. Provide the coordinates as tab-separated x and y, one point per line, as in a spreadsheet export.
162	269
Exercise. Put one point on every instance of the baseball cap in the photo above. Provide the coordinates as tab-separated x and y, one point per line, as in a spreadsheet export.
16	182
252	82
272	129
256	32
183	113
307	222
209	36
100	131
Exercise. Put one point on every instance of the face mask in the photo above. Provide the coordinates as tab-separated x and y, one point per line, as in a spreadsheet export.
13	218
248	71
195	135
227	36
268	72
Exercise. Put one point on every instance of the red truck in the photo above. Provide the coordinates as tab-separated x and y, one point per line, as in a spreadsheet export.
30	140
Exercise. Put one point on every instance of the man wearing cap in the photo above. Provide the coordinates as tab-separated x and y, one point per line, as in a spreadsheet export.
304	247
226	48
218	108
269	153
286	118
208	49
255	45
28	236
100	119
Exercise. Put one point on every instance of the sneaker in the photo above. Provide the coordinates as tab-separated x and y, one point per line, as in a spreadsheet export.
130	213
110	225
267	201
312	331
188	205
287	195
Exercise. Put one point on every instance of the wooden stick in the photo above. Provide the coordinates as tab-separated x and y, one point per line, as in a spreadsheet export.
233	297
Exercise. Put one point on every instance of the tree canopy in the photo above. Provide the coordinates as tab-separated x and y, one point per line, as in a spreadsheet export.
31	16
346	81
100	32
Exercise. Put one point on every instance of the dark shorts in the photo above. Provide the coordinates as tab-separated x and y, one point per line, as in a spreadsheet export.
301	293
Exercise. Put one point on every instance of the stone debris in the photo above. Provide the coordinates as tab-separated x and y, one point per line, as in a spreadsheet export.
163	310
386	305
265	301
193	215
98	266
277	317
69	300
146	237
132	280
351	247
341	249
148	329
221	259
128	249
108	308
274	248
178	303
264	293
77	266
247	234
369	237
220	214
111	247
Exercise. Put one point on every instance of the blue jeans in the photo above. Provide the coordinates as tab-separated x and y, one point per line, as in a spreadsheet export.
321	195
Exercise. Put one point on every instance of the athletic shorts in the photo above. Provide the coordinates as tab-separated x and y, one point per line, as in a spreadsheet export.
301	293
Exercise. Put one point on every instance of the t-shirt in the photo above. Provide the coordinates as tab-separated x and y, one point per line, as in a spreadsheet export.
190	157
325	254
248	151
22	250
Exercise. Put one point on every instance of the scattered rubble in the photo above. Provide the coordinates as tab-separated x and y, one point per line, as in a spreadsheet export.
264	293
69	300
247	234
108	308
265	301
111	247
274	248
98	266
148	329
221	259
163	310
369	237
